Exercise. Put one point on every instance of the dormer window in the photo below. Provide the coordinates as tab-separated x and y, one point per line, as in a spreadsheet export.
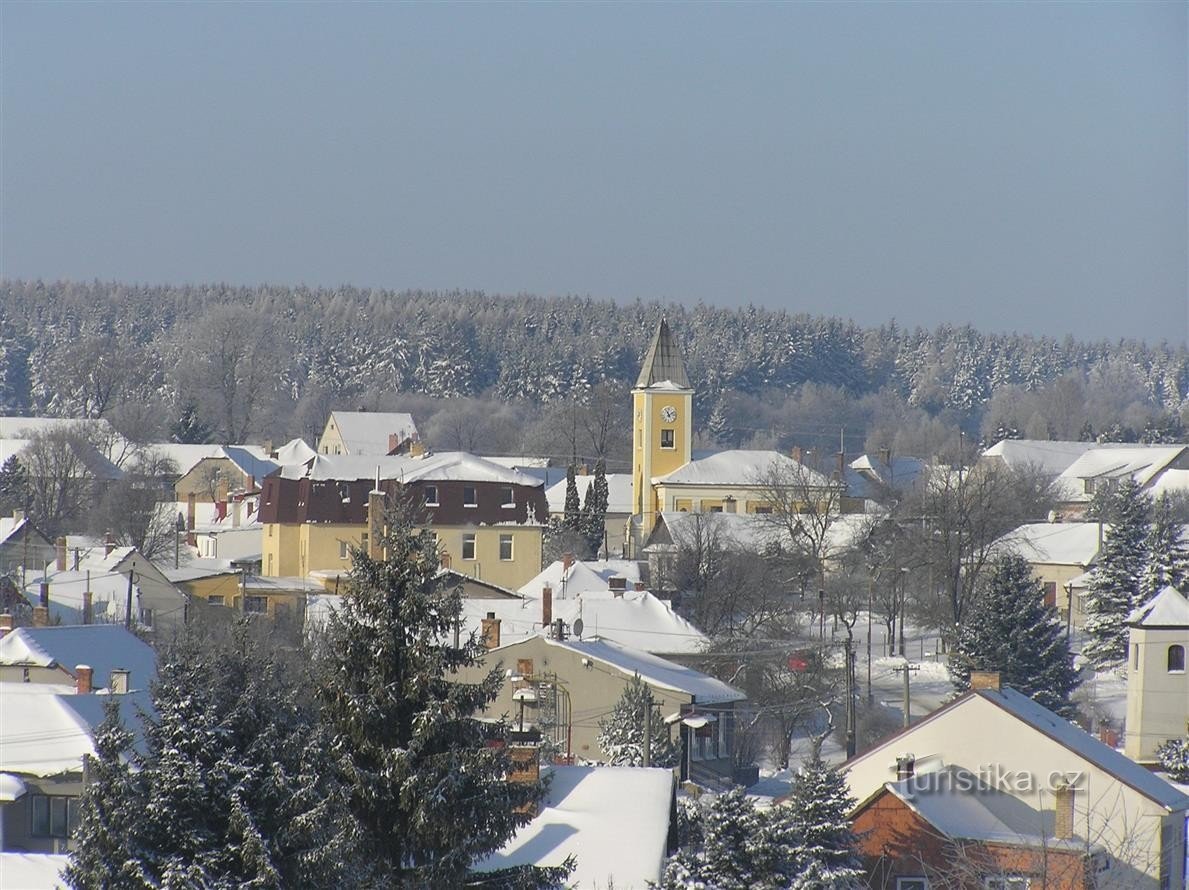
470	496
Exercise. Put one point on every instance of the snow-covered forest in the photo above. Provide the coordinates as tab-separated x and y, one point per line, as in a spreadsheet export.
762	377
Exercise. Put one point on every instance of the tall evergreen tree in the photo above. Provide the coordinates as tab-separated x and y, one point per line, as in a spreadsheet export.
1168	554
621	733
189	428
14	487
427	793
810	831
573	512
594	509
1115	582
725	848
1009	629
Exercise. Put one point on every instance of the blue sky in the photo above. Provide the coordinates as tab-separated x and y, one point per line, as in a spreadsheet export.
1019	166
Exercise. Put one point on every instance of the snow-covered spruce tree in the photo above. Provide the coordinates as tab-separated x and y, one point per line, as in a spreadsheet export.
621	733
428	796
1168	555
111	808
14	487
809	836
1114	588
594	509
238	789
573	513
728	840
1009	629
1174	759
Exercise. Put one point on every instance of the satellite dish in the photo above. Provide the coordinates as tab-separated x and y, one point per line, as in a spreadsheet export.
578	625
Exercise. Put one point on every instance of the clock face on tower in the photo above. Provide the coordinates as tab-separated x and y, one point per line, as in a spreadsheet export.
668	414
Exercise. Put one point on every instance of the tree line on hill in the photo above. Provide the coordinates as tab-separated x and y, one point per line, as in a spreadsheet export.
236	364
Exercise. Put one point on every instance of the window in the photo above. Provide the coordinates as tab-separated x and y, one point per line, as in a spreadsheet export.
343	549
716	509
468	546
54	815
507	497
505	547
1088	486
915	883
146	616
667	440
1135	656
256	605
470	497
270	530
1176	659
1050	589
215	599
431	495
764	511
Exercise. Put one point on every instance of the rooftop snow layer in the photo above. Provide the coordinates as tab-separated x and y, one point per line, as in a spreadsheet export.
743	468
1141	462
447	466
103	647
1062	543
1052	458
582	575
1168	608
367	432
613	820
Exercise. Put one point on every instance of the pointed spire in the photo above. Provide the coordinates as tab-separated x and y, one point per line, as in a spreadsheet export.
663	361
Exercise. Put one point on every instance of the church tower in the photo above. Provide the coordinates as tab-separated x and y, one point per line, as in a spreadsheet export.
662	423
1157	684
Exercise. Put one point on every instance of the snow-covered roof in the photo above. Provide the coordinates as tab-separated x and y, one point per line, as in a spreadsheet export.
518	461
1169	608
34	871
447	466
582	575
47	735
614	820
367	432
619	493
295	451
11	527
11	448
24	427
1088	748
1060	543
1141	462
657	671
109	594
102	647
637	619
1052	458
741	530
741	467
185	456
1171	481
955	802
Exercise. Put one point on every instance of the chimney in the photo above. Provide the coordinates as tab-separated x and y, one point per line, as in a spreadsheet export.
885	456
43	590
839	464
82	679
416	449
639	586
88	605
60	553
583	470
617	585
109	543
41	616
546	606
1063	817
18	515
729	505
119	681
984	680
906	765
524	766
5	624
394	442
490	631
567	560
237	506
797	454
191	511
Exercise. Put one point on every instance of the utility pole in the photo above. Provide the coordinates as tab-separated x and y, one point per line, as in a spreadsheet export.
648	728
128	605
907	669
870	607
850	700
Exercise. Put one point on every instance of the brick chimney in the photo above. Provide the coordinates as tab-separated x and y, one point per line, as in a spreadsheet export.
83	675
525	767
797	454
567	560
639	586
490	631
1063	817
906	765
60	553
839	464
109	543
375	522
617	585
88	605
41	616
984	680
119	681
6	623
546	606
583	470
394	442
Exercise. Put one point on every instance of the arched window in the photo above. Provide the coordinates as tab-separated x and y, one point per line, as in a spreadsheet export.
1176	658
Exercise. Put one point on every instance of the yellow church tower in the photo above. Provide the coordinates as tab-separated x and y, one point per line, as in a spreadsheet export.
662	423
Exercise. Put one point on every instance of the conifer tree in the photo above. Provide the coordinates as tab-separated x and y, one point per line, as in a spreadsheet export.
189	428
1114	588
621	733
105	854
14	487
1009	629
810	832
594	509
725	851
1168	555
572	518
428	795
